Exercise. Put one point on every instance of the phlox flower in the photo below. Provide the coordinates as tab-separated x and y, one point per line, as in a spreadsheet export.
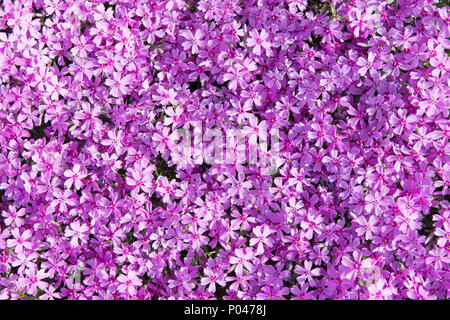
21	240
379	290
211	279
128	283
75	176
119	84
14	216
242	259
34	280
307	273
259	41
77	232
261	238
367	227
357	266
194	41
166	96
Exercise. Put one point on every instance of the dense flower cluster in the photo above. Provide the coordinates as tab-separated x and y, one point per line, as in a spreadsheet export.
94	205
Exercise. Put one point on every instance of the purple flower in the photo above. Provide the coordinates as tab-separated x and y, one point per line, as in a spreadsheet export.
261	238
20	241
194	41
77	232
128	283
356	267
258	41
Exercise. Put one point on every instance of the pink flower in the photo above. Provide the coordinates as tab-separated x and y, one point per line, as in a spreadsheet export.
166	96
128	283
211	278
379	290
357	266
119	85
262	238
75	176
13	217
307	273
77	232
259	41
242	259
63	199
367	227
21	241
33	281
370	64
194	41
